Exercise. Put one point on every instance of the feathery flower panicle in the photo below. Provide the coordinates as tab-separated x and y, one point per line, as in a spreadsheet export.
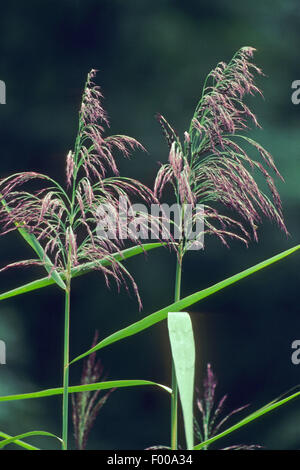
86	405
93	120
212	165
65	220
210	409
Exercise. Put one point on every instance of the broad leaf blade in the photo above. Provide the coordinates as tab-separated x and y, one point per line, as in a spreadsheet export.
79	271
183	353
162	314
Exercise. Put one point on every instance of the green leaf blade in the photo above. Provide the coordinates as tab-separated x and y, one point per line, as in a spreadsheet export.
79	271
183	353
252	417
84	388
18	442
32	241
162	314
14	439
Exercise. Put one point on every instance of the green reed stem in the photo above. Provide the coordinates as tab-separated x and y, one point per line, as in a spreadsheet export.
65	405
174	396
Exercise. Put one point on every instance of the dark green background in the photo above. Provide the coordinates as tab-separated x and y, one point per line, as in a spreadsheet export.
152	56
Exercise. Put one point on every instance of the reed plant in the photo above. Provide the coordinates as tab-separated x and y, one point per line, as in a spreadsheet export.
213	166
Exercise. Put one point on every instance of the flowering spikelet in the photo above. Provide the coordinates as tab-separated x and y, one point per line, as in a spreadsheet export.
70	167
93	118
210	410
86	405
65	221
210	166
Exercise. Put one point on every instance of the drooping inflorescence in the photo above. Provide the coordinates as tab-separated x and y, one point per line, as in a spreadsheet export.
211	420
64	220
214	166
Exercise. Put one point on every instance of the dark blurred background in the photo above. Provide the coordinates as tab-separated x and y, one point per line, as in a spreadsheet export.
152	56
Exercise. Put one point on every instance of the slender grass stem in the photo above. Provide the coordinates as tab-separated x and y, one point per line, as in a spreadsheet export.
65	406
174	397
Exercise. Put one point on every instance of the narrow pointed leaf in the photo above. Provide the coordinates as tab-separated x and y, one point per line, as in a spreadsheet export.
13	439
37	247
253	416
84	388
162	314
80	270
31	286
183	353
19	442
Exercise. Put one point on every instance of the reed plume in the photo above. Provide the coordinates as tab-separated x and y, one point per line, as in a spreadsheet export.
213	165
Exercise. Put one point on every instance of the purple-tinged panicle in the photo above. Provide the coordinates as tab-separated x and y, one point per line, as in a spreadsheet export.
221	109
210	409
211	167
91	109
210	383
99	158
22	264
179	170
71	245
243	447
86	405
66	224
169	133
